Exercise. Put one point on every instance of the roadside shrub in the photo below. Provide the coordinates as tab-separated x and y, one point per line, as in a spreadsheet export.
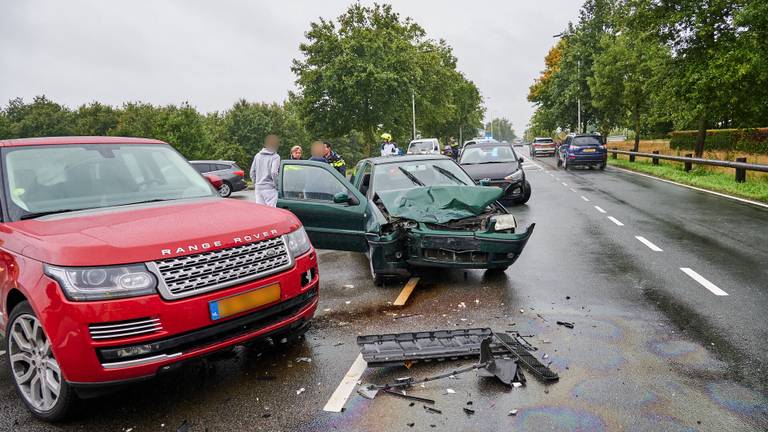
739	140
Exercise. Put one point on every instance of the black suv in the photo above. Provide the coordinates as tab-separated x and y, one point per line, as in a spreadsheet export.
232	176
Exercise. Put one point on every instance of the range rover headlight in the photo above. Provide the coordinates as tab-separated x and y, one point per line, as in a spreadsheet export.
504	222
298	242
515	176
103	283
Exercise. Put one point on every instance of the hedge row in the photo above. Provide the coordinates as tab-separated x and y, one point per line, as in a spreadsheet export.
741	140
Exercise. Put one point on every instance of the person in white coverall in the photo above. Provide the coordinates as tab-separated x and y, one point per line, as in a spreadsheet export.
264	171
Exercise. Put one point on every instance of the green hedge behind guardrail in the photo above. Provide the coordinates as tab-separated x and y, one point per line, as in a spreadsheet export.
743	140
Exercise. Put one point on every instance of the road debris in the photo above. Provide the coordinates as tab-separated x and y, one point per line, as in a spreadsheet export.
565	324
469	411
300	391
303	360
450	391
407	396
406	292
368	391
513	412
432	410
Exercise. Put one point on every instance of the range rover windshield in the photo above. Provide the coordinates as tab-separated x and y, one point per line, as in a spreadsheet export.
43	180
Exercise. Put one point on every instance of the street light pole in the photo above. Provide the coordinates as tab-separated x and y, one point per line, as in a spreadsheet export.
413	111
578	97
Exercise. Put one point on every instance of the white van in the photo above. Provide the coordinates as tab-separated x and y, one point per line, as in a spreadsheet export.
425	146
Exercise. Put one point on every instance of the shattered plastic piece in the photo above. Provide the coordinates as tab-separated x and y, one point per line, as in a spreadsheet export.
505	369
347	302
347	286
432	410
303	360
409	397
300	391
469	411
517	384
513	412
410	424
450	391
368	391
522	310
565	324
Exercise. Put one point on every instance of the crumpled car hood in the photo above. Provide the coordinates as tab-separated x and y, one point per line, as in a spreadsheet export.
439	204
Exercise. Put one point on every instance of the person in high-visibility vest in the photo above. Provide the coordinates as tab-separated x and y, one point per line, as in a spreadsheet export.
334	159
388	147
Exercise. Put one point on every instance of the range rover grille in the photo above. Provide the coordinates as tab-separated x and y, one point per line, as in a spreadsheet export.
208	271
121	329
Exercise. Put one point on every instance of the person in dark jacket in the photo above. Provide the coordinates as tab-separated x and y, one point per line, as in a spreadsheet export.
317	152
334	159
295	153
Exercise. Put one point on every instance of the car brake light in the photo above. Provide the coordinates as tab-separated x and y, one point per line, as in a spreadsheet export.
239	173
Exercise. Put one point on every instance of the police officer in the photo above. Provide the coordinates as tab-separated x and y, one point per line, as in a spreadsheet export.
388	148
334	159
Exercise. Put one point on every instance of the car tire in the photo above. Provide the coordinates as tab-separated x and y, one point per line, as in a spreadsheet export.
225	190
37	354
526	194
602	166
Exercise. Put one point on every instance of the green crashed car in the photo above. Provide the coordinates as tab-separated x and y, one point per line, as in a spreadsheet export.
403	212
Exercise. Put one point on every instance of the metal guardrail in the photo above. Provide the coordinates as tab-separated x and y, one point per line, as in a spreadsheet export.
740	165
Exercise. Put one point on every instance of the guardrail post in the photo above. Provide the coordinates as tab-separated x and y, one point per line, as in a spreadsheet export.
655	160
688	164
615	155
741	173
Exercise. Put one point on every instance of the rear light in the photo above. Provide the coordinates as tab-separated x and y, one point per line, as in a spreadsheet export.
239	173
214	180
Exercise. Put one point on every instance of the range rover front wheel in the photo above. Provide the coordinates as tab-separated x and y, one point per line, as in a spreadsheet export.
35	370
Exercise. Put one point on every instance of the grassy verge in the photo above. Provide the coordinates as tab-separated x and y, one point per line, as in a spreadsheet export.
754	188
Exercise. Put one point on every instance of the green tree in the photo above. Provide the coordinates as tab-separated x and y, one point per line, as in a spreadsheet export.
501	128
626	75
95	119
40	118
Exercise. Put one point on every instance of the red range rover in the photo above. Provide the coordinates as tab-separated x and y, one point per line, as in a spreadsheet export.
118	261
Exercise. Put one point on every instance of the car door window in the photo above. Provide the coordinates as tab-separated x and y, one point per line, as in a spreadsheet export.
365	181
221	167
304	182
201	168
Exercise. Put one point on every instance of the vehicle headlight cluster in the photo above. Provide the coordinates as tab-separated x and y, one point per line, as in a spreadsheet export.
103	283
298	242
504	222
515	176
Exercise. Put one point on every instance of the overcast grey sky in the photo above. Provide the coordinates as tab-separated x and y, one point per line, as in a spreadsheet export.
210	53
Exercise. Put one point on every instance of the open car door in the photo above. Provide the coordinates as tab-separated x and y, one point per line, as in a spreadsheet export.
332	210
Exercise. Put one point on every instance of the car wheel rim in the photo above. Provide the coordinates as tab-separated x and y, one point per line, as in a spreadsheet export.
35	370
224	190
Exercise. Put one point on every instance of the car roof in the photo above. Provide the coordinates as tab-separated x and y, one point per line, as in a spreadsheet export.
487	143
218	161
423	140
20	142
382	160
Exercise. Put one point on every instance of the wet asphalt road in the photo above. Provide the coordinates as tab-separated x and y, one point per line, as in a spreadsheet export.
652	348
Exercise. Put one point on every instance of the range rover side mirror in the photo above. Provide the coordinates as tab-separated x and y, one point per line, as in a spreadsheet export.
341	198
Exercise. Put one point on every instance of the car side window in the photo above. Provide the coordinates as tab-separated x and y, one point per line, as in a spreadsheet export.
220	167
365	181
201	168
303	182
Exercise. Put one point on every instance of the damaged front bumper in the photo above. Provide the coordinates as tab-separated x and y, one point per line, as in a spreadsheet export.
481	250
421	246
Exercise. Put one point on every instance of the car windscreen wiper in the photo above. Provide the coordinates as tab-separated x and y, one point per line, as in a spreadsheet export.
448	174
34	215
410	176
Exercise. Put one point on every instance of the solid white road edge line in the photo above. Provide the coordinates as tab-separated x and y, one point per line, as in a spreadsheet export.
616	221
347	384
648	243
585	198
744	200
600	209
700	279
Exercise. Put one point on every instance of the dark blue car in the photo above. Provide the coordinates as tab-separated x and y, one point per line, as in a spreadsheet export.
582	150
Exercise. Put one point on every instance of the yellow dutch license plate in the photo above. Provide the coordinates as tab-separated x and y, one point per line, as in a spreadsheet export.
242	302
589	150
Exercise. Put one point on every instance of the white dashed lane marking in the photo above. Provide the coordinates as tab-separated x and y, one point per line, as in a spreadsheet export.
573	190
564	184
585	198
648	243
704	282
339	397
600	209
616	221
